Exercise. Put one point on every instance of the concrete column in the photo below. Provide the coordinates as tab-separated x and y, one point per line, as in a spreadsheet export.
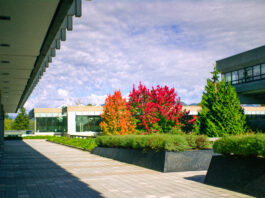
2	118
71	122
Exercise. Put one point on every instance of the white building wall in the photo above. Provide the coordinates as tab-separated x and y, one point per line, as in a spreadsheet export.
71	122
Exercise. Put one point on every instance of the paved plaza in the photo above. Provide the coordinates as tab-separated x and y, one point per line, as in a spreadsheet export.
40	169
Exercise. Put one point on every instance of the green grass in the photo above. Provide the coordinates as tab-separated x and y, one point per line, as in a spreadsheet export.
157	142
36	137
86	144
245	145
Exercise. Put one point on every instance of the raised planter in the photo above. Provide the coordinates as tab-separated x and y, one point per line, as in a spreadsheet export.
161	161
242	174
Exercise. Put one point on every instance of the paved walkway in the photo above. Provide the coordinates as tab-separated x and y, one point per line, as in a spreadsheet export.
37	169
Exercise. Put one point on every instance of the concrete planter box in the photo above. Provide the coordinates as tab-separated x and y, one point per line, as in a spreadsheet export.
242	174
160	161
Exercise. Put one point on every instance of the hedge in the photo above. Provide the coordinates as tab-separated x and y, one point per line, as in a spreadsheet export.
86	144
155	142
19	137
245	145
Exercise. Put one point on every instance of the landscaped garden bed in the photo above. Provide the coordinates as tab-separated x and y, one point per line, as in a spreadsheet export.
241	167
165	153
20	137
85	144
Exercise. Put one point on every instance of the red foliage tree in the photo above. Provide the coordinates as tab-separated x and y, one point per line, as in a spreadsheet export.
157	110
116	118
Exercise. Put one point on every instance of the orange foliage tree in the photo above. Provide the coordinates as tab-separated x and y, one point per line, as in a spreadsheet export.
116	118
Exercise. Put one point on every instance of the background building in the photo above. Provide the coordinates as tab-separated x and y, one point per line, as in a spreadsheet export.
77	120
246	72
85	120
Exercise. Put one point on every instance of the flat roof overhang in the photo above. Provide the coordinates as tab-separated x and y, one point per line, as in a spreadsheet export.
31	32
242	60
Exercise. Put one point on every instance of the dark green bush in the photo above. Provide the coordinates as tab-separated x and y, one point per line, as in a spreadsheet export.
87	143
19	137
155	142
13	137
246	145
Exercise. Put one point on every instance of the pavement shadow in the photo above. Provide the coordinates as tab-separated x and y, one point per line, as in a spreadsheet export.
24	172
197	178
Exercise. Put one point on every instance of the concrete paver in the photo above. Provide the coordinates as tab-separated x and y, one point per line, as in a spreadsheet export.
40	169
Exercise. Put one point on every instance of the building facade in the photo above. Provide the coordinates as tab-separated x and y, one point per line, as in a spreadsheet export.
78	120
85	120
246	72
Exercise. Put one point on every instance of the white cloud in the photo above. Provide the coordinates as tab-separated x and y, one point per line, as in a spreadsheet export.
118	43
62	93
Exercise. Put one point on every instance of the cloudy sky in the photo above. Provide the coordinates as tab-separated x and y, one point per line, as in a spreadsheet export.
116	44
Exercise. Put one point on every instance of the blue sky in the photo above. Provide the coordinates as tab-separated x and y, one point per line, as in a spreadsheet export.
118	43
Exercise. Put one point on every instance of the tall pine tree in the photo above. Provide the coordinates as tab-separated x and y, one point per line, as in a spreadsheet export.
22	120
221	112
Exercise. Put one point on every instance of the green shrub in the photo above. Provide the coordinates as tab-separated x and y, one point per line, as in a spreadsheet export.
155	142
176	143
191	140
202	142
37	137
247	145
176	131
13	137
139	142
86	144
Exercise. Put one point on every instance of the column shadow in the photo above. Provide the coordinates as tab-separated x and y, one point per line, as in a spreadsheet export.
196	178
24	172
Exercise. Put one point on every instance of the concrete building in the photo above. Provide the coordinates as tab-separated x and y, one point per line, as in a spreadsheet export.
85	120
78	120
31	31
246	72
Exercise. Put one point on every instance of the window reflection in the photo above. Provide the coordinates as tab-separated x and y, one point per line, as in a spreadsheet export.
228	77
87	123
234	77
256	72
51	124
263	70
249	74
241	76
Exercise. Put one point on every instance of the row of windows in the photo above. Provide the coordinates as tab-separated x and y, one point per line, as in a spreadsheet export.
51	124
247	74
59	124
261	117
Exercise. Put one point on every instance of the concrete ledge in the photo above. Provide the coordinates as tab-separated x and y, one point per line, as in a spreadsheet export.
242	174
160	161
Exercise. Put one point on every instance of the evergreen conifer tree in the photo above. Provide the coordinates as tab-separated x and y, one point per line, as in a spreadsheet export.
22	120
221	112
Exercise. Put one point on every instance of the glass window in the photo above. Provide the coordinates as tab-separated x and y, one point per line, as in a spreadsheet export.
234	77
241	76
249	74
228	77
263	70
256	72
51	124
222	76
87	123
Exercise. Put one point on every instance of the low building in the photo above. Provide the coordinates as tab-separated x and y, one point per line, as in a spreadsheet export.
78	120
85	120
